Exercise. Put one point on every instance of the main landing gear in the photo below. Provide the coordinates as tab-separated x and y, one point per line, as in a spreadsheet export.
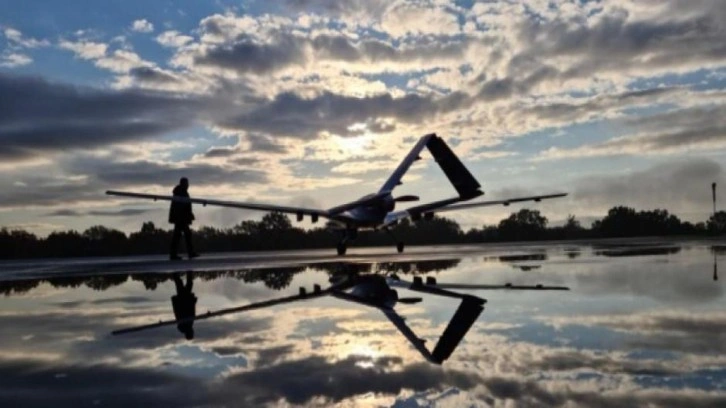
399	244
349	234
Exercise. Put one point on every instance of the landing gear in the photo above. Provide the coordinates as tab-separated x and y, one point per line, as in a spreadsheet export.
349	234
399	244
341	248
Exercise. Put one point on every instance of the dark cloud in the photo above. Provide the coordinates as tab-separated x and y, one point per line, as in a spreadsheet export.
292	115
260	143
146	172
246	55
570	112
126	212
34	384
39	116
618	42
301	381
152	75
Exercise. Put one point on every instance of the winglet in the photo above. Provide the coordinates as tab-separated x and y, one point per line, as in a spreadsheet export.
465	316
459	176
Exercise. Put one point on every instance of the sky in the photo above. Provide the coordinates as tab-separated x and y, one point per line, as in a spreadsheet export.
314	102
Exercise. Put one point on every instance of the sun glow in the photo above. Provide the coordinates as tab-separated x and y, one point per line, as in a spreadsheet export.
353	145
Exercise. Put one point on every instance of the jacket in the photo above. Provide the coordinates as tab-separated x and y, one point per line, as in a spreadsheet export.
180	213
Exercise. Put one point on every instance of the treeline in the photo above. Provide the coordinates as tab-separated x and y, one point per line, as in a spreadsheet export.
276	232
273	278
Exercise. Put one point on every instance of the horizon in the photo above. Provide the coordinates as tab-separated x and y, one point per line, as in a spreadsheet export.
315	102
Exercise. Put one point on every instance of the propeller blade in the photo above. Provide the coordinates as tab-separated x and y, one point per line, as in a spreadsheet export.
410	300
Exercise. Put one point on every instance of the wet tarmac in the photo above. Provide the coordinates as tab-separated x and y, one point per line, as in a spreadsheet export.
643	323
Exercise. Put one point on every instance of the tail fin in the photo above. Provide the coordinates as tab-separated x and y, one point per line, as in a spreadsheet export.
465	316
462	180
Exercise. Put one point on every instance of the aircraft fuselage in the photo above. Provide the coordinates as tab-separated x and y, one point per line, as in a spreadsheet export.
372	215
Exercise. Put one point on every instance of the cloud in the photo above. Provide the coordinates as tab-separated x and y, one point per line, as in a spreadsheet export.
142	26
87	50
698	128
39	116
16	37
679	332
173	39
13	60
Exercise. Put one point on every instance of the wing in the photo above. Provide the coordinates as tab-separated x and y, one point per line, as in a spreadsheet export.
232	204
505	286
412	156
449	204
504	202
259	305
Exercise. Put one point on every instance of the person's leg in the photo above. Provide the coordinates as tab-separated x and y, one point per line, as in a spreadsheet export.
188	239
178	283
175	240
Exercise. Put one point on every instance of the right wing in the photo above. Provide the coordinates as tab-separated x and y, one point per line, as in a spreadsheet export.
430	285
504	202
450	204
232	204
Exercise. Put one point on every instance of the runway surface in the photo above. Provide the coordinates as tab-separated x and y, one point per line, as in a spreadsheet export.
44	268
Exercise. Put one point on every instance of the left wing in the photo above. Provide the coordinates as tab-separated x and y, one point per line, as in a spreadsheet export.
450	204
233	204
259	305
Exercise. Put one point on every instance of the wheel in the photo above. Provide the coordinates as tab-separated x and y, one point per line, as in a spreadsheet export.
399	247
341	249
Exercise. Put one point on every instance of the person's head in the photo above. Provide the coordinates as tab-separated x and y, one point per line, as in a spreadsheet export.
184	182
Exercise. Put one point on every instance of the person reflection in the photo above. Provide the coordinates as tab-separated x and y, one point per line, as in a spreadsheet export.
715	267
184	304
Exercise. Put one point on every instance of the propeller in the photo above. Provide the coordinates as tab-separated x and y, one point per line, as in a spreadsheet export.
410	300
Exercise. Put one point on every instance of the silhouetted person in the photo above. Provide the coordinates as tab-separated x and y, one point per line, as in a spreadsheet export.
180	214
184	304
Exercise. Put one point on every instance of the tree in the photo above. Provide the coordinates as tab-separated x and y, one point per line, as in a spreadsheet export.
524	224
717	223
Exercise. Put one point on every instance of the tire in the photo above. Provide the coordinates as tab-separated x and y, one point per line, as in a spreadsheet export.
341	249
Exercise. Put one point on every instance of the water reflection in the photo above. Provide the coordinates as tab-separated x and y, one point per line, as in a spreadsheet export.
641	330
